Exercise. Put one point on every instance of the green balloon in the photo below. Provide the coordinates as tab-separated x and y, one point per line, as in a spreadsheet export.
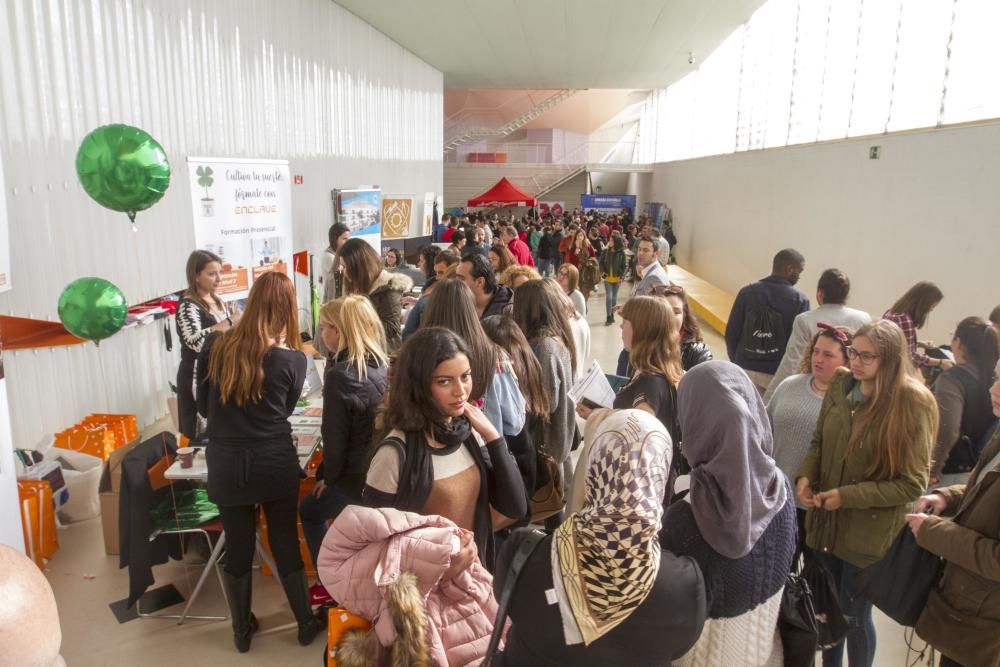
92	308
122	168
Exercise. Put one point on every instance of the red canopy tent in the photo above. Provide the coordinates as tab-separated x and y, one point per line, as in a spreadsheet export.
504	193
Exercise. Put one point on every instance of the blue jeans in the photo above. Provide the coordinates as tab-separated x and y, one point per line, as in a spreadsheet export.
544	266
857	609
611	296
315	512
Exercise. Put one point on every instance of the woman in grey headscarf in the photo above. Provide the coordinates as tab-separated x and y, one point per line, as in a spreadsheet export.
737	522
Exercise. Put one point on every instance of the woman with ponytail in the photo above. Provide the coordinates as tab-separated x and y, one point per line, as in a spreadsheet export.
963	397
867	463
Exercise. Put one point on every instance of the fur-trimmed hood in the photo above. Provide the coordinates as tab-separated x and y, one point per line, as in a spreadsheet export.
365	553
399	282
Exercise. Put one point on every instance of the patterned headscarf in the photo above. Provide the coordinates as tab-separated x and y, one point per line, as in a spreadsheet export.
736	489
608	554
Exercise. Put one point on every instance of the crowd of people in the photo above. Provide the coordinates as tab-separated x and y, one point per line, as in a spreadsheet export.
447	416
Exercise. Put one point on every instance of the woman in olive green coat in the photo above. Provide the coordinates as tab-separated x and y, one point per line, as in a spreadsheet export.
869	461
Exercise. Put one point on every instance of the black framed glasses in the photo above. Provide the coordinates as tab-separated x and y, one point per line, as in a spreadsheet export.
867	358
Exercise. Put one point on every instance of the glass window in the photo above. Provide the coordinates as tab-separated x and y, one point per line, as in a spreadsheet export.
971	90
807	71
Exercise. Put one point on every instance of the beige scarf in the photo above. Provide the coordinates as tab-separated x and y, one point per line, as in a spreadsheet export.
607	555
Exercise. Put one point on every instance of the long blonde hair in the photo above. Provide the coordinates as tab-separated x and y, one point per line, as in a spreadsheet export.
891	421
656	341
236	364
361	330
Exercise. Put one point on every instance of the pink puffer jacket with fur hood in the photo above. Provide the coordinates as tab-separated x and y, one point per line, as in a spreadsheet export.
366	550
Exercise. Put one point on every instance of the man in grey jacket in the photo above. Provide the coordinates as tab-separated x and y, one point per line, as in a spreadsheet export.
831	294
648	269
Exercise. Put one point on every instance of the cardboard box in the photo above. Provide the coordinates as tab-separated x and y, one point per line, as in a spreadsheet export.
108	490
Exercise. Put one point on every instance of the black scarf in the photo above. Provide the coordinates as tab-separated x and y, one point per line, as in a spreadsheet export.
451	434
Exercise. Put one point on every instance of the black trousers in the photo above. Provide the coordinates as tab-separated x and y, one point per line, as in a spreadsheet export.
948	662
240	524
187	408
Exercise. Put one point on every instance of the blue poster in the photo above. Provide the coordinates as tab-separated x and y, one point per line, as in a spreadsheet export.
607	202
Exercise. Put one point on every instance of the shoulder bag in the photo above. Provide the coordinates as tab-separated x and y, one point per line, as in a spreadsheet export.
521	556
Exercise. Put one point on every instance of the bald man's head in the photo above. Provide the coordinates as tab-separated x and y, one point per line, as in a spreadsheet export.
29	622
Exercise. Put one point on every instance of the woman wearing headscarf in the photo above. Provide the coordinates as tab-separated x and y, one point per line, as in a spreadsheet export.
600	590
737	522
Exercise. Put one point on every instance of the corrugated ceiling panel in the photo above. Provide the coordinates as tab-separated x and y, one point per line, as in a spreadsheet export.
305	81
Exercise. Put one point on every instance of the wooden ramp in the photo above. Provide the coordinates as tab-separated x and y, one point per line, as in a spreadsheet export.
708	302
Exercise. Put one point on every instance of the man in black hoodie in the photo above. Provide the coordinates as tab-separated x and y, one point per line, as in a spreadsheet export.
491	297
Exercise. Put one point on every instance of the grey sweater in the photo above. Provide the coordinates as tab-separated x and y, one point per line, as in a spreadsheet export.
794	408
556	437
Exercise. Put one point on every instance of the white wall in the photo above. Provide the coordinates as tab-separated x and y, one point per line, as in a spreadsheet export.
929	209
305	81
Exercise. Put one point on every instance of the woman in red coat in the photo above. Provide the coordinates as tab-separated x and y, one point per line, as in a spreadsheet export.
579	251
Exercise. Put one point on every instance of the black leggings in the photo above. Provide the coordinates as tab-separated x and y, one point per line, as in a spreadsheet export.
187	408
240	524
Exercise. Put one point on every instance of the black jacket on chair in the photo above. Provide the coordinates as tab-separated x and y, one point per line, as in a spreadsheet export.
135	504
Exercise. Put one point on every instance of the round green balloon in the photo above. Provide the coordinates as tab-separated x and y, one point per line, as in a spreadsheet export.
122	168
92	308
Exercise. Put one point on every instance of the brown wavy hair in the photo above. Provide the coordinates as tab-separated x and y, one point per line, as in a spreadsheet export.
890	421
197	261
505	256
236	364
503	330
362	266
656	341
918	302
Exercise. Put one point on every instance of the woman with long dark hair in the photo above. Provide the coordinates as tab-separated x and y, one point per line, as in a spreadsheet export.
249	379
200	312
542	318
910	313
364	274
453	307
963	397
613	264
432	459
868	462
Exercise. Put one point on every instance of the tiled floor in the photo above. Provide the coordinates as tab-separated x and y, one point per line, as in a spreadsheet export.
86	580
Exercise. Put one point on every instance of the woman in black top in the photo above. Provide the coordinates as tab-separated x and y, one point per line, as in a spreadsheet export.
199	313
442	455
249	379
364	274
694	351
601	591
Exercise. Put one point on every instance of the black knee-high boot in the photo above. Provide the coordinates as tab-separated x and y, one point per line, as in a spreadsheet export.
297	591
239	593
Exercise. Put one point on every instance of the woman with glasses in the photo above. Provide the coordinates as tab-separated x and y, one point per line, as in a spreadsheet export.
963	396
795	405
868	462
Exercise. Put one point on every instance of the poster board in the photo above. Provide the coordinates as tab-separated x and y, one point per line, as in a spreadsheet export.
361	211
397	216
427	228
242	211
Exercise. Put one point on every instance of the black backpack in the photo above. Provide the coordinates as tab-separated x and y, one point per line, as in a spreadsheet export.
763	336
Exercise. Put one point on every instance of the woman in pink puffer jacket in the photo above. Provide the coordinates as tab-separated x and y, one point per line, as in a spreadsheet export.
365	553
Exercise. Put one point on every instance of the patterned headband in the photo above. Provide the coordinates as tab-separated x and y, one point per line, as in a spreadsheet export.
837	332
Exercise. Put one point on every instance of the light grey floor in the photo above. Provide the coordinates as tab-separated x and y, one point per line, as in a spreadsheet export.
86	580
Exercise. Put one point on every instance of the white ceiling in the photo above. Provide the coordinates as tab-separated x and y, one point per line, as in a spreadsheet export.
622	44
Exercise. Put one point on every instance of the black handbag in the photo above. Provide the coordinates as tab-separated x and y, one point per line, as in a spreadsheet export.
797	623
900	583
831	625
520	557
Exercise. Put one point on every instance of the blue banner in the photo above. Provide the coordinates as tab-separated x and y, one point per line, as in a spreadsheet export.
607	202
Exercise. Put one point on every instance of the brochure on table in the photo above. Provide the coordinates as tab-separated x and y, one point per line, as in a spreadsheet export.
242	211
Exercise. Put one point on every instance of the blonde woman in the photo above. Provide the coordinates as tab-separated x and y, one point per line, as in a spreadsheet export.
354	383
518	274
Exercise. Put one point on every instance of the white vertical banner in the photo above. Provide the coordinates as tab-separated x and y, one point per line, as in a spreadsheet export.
242	211
427	228
4	235
10	507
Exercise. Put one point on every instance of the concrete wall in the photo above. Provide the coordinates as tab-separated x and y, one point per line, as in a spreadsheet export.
928	209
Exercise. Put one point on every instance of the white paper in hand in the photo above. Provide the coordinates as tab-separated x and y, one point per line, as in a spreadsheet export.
593	388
